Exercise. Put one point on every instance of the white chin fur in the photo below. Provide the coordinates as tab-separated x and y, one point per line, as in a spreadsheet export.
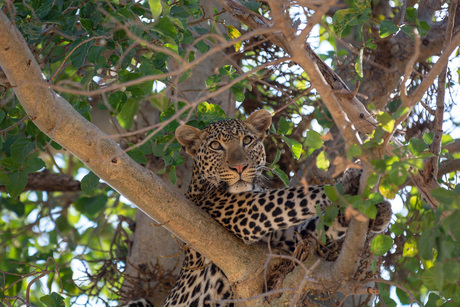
240	187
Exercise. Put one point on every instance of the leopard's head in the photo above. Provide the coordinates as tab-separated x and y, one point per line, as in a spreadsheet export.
228	152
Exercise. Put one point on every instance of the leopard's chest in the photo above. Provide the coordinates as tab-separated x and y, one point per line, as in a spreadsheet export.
236	213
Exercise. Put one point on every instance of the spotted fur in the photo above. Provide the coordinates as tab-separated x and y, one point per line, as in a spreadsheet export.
229	158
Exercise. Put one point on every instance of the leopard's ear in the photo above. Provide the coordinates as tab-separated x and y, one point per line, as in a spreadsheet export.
190	138
259	122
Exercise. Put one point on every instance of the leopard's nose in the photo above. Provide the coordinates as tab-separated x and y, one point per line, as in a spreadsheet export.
239	168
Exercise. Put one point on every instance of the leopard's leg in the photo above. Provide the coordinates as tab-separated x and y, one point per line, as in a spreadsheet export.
199	281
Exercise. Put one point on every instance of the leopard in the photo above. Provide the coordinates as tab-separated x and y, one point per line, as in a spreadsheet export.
228	183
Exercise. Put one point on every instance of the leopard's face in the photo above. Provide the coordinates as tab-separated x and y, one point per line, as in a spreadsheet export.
228	153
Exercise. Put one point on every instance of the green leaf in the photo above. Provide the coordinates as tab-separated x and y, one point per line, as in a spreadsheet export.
372	180
404	298
375	198
53	300
87	24
387	27
363	4
172	174
314	140
277	157
89	183
446	139
386	121
21	148
426	244
4	180
408	29
381	244
79	55
322	162
416	162
410	248
444	196
398	176
295	146
354	151
283	126
400	112
342	18
117	99
155	8
166	27
388	188
452	225
90	206
428	137
411	14
359	63
44	9
331	193
126	116
423	27
233	33
238	92
281	175
417	146
18	181
137	155
433	278
330	214
202	47
252	5
369	209
209	112
32	165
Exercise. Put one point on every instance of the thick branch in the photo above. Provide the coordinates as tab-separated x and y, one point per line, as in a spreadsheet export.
61	122
46	181
434	72
453	147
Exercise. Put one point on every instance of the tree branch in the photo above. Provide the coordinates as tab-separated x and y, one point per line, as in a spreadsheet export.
50	182
62	123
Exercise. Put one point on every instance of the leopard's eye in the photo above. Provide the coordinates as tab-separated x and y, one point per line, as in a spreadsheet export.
215	145
247	140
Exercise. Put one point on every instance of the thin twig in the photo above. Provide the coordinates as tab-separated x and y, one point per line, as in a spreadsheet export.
15	124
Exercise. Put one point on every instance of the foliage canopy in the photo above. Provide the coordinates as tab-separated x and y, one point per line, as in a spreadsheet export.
129	60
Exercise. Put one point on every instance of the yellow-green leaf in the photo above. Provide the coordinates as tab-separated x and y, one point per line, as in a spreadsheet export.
155	8
410	248
359	63
386	121
127	113
322	162
233	33
381	244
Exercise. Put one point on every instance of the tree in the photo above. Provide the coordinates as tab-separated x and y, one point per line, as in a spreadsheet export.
120	58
